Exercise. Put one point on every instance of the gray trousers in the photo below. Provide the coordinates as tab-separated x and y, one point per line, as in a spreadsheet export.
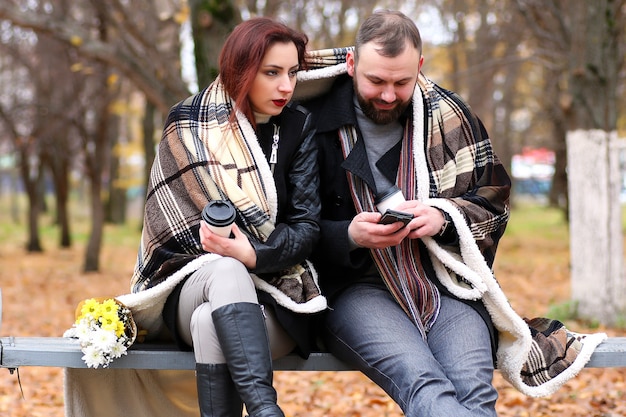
221	282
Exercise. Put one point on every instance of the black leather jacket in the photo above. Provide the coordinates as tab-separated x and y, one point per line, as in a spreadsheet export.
297	230
297	185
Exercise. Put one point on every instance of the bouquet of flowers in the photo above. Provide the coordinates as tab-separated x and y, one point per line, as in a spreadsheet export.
105	329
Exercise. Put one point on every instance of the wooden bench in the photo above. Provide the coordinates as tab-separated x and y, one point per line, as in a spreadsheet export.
17	352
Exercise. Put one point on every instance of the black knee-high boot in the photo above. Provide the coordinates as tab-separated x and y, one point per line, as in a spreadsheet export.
245	345
217	395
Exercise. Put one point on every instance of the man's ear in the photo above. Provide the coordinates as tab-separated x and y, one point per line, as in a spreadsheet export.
350	62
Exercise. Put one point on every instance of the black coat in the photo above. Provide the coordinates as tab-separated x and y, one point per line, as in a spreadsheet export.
338	265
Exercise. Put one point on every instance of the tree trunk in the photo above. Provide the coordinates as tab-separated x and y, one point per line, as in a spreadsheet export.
31	184
211	22
58	163
116	202
99	160
14	196
598	285
558	196
98	154
36	200
92	254
62	199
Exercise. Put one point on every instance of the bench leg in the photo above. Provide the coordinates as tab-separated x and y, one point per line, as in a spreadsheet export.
217	395
243	337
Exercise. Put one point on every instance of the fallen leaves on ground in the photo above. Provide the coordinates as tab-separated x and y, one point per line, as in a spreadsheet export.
40	292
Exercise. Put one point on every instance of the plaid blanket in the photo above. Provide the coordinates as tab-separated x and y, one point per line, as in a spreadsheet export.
536	356
205	156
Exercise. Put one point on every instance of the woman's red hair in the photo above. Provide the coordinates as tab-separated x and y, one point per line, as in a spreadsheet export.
244	50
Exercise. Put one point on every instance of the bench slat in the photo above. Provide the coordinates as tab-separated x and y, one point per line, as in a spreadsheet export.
16	352
609	354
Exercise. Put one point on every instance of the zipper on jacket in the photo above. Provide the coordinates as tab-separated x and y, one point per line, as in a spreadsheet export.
274	154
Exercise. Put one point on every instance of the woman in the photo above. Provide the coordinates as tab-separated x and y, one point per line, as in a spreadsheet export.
240	140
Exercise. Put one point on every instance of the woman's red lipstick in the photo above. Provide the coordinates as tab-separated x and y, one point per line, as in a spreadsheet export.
279	103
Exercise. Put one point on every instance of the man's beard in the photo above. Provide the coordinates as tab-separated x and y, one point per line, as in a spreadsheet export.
380	117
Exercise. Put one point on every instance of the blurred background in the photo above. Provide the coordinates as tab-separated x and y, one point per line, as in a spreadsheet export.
86	84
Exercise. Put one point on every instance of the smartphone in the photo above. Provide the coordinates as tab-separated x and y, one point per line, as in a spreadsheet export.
392	216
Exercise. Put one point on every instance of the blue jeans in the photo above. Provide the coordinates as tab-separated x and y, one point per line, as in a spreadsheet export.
448	375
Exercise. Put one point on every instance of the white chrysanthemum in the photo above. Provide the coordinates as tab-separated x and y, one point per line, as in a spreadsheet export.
103	339
84	331
71	333
118	349
93	357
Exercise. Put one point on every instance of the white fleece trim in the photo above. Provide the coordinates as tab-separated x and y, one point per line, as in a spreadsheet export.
314	83
323	73
515	340
147	305
263	166
419	157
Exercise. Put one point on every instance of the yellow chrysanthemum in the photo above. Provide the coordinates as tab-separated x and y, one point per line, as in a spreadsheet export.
108	321
109	306
120	329
89	308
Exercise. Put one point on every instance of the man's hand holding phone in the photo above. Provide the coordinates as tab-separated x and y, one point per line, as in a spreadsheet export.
392	216
366	231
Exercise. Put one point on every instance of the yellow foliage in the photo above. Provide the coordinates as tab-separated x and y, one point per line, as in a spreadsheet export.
112	79
118	107
77	67
76	40
183	15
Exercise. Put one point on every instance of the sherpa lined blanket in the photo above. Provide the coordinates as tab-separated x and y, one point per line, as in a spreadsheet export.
536	356
205	154
201	157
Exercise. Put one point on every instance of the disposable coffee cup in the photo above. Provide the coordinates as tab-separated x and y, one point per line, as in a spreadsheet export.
219	215
389	199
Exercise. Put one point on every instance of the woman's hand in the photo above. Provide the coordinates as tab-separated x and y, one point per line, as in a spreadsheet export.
238	247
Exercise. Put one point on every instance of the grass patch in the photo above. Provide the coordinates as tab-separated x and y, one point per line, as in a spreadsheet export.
563	312
528	220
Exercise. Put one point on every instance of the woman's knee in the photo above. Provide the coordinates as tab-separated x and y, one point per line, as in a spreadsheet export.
227	265
226	281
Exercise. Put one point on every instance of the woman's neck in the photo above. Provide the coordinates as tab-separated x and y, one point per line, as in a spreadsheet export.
260	118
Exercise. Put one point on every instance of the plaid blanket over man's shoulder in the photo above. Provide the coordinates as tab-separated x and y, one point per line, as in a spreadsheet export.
536	356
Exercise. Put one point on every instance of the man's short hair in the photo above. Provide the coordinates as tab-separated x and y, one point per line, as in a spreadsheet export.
390	30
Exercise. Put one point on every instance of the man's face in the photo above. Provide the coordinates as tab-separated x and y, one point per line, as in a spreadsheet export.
384	86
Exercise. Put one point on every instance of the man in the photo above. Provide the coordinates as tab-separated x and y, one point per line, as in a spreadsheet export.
383	124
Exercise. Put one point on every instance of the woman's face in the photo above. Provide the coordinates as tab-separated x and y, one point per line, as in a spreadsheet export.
274	83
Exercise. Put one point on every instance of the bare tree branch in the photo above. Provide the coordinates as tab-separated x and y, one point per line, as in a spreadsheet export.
159	79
